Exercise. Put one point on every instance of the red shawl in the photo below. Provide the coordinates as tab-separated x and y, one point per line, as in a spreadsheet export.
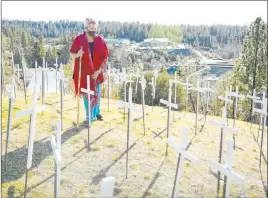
100	55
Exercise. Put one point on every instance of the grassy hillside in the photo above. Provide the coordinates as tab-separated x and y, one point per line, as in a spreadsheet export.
151	173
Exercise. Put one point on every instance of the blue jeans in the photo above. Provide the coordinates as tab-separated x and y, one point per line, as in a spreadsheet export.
94	110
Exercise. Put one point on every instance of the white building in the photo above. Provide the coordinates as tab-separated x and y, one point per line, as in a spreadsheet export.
156	42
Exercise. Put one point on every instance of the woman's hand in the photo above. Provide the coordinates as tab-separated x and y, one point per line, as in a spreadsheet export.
96	74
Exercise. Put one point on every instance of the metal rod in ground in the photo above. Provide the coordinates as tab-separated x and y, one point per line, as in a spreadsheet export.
220	156
128	131
176	175
10	107
263	126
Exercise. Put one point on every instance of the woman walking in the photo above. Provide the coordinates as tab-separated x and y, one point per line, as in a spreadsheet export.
94	54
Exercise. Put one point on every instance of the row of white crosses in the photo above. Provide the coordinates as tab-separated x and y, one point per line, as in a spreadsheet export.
32	112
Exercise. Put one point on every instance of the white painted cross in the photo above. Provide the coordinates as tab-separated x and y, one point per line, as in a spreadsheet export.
131	108
137	75
11	96
32	112
236	95
227	169
58	161
107	187
169	104
89	92
181	149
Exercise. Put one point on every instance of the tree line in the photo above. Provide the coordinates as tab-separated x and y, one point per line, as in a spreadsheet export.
212	36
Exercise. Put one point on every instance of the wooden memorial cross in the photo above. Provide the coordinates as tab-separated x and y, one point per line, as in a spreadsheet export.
24	80
227	170
224	128
181	149
169	104
131	108
32	112
89	93
175	81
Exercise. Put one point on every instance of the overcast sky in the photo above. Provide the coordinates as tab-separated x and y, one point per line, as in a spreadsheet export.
165	12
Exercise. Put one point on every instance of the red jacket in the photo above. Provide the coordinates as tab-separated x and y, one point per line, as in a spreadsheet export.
100	54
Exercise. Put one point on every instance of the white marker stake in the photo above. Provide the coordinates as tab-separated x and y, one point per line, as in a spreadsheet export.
11	96
143	86
131	108
182	155
32	112
57	158
107	187
227	169
89	93
169	104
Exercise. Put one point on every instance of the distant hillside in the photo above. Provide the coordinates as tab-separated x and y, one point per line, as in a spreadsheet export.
214	36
